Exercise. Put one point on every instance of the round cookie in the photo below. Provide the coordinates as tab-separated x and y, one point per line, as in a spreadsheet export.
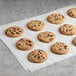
14	31
72	12
74	41
56	18
25	44
36	25
60	48
37	56
68	29
46	37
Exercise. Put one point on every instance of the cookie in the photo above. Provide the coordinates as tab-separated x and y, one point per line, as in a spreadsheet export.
68	29
14	31
46	37
25	44
36	25
74	41
72	12
37	56
56	18
60	48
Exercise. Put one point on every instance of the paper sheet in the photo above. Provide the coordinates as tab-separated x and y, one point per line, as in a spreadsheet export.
53	58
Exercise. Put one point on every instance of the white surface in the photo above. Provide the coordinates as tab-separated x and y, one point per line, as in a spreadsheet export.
22	55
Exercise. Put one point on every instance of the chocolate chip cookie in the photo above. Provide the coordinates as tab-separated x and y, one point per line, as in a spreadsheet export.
74	41
68	29
56	18
36	25
37	56
25	44
60	48
14	31
72	12
46	37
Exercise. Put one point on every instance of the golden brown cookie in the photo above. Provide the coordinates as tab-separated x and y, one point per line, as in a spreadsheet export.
46	37
68	29
74	41
14	31
72	12
25	44
36	25
56	18
60	48
37	56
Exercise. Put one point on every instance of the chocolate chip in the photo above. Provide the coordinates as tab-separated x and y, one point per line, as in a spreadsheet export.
20	31
50	35
34	26
38	56
60	49
66	30
19	44
35	56
12	33
43	57
70	29
65	47
9	30
29	41
28	44
17	33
